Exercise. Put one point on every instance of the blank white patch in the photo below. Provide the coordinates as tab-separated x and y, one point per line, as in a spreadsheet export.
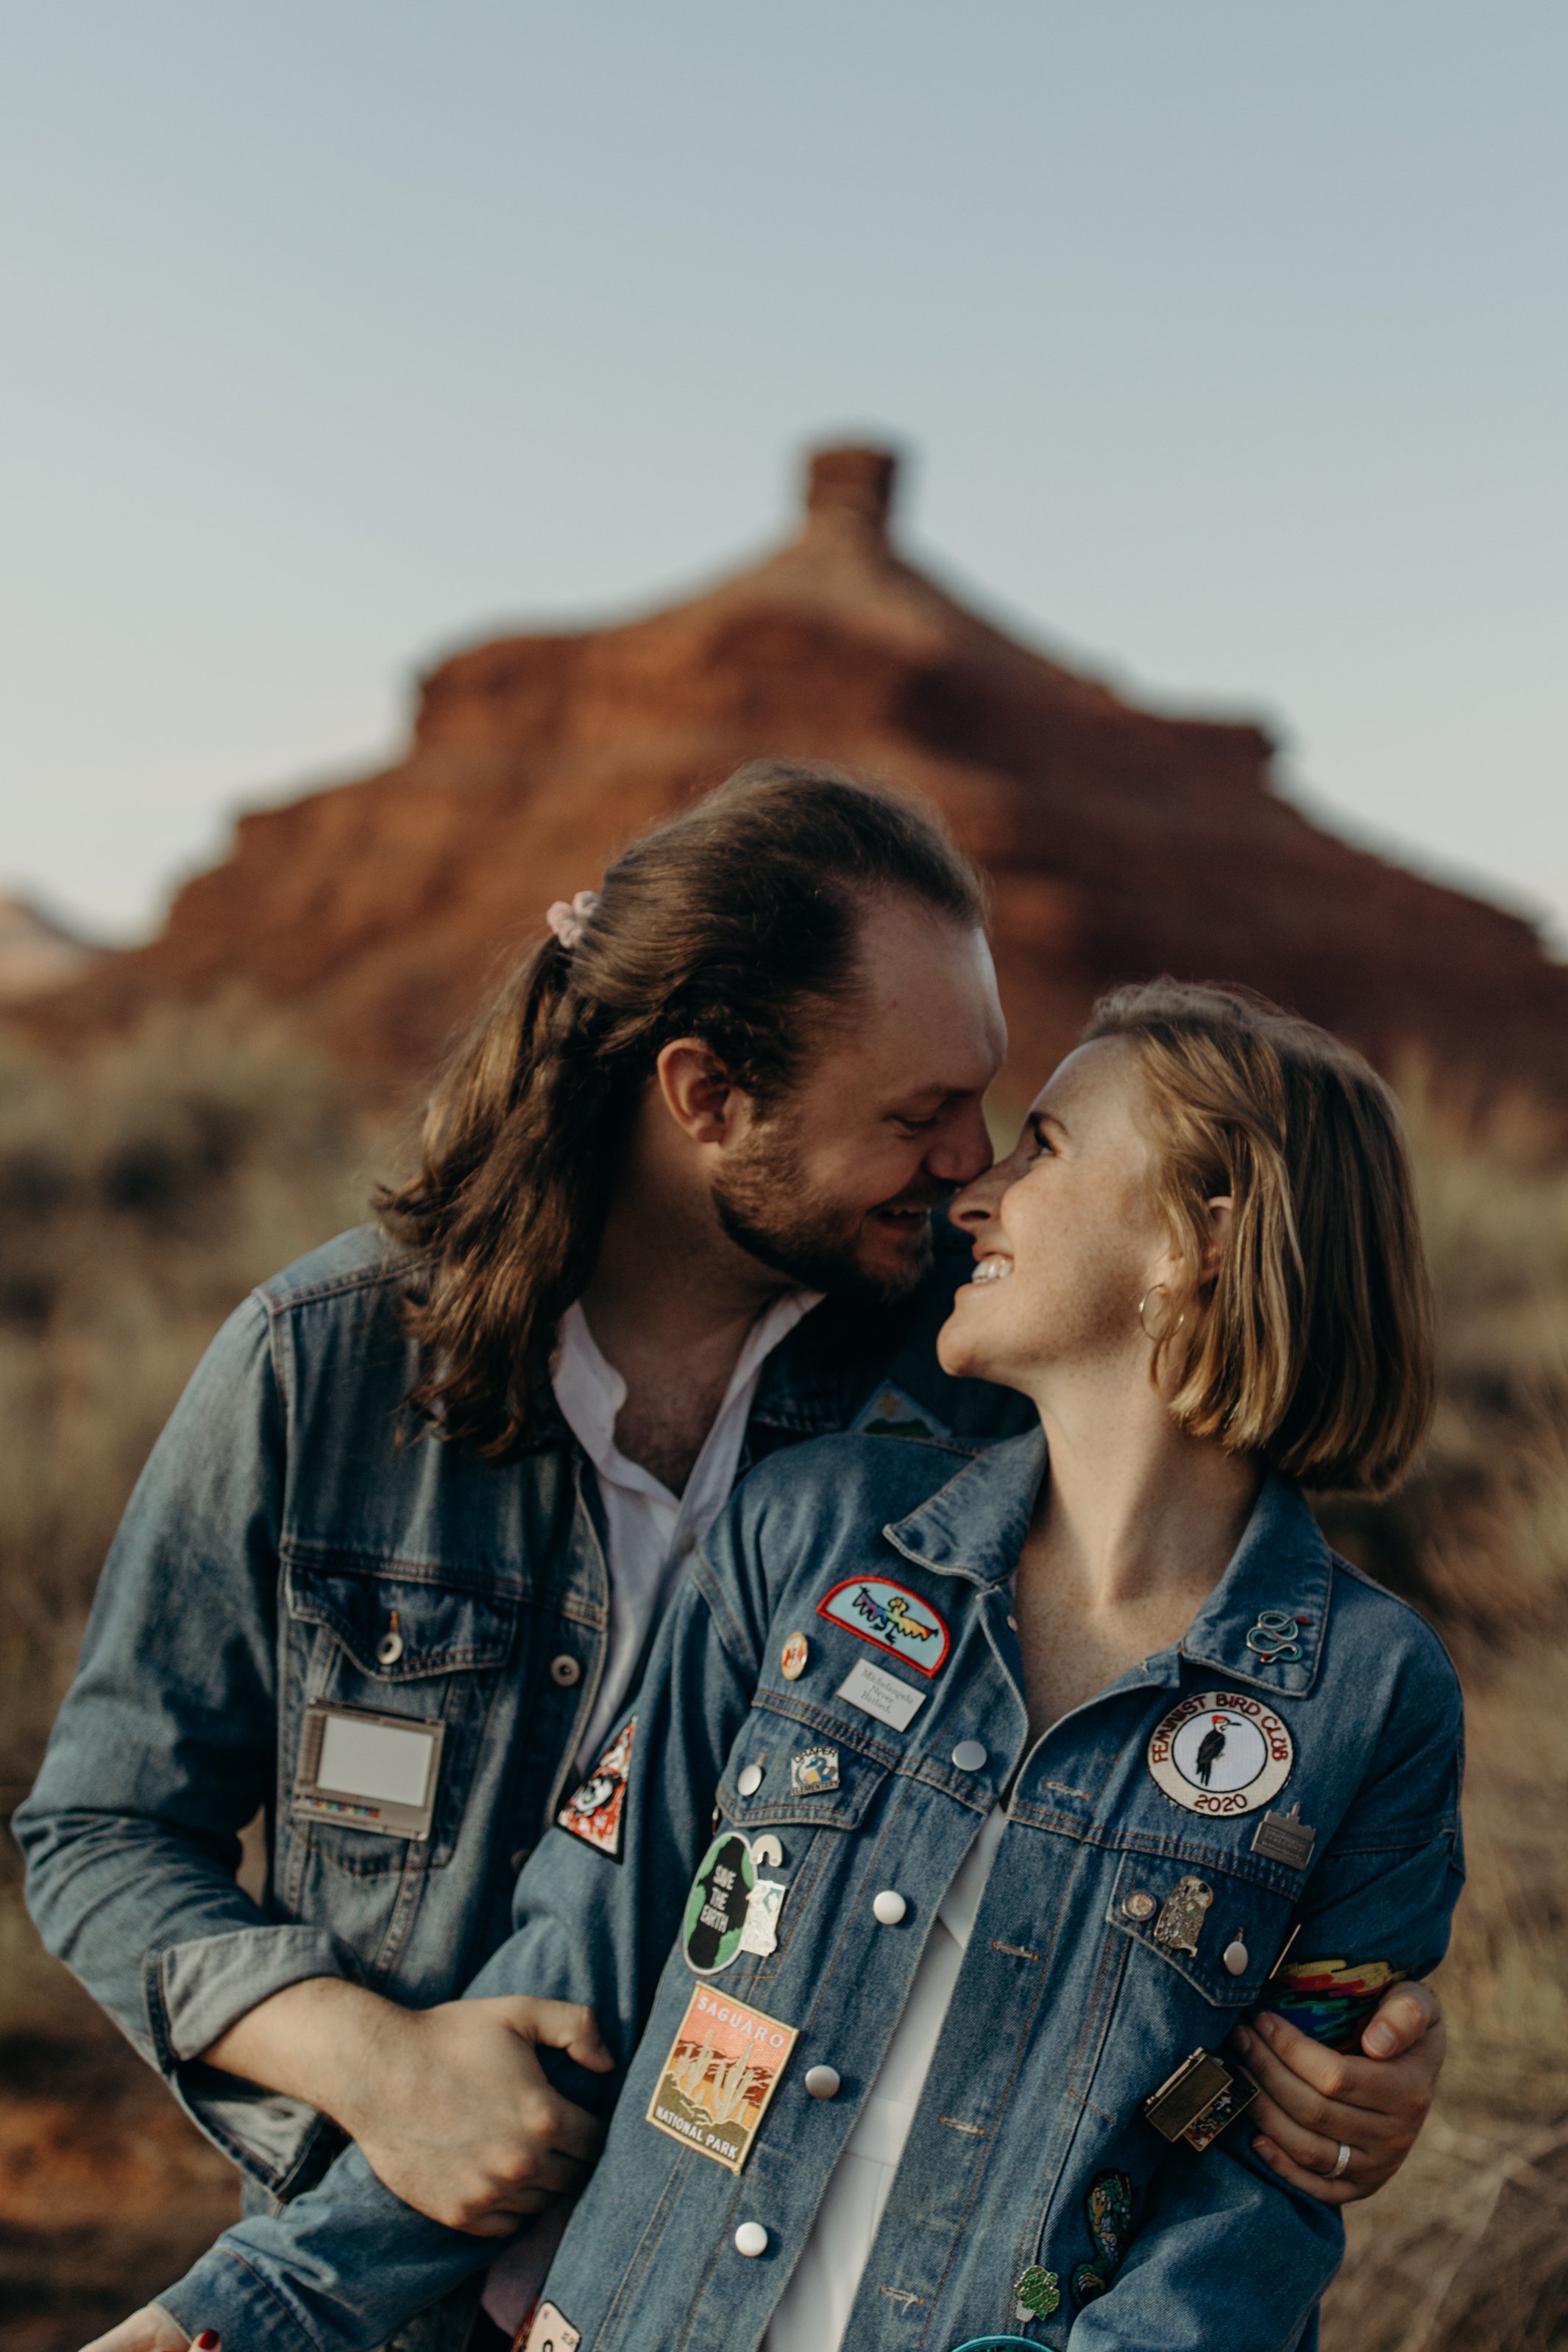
881	1694
371	1759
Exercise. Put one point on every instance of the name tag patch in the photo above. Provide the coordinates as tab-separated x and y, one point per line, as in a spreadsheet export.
722	2070
596	1812
877	1692
365	1770
1220	1752
890	1616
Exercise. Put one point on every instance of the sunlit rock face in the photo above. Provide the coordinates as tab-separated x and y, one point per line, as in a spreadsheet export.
1120	842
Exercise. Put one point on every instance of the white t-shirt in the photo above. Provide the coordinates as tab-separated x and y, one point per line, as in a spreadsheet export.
814	2310
652	1535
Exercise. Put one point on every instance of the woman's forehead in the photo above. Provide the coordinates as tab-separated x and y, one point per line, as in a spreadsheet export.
1096	1077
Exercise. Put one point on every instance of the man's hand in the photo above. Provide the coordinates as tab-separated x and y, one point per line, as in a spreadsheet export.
151	2330
1316	2100
450	2105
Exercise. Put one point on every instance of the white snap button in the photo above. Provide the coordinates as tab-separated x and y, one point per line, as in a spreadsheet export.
389	1648
751	2239
1012	1625
970	1756
1236	1957
565	1670
823	2082
889	1907
750	1780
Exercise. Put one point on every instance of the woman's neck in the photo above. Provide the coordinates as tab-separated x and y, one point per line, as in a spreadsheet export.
1135	1527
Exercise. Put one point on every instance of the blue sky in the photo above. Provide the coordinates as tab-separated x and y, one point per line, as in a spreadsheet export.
1229	341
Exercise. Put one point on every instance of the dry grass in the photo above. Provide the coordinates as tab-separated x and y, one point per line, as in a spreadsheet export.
143	1190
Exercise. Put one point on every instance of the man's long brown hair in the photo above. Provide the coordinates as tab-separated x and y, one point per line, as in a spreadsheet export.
735	923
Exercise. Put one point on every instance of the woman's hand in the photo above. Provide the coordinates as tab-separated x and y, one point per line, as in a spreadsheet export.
450	2105
1316	2100
151	2330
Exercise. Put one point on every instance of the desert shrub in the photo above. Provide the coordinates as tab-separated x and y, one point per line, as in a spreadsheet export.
145	1185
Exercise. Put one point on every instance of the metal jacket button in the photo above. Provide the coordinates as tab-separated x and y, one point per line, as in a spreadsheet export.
822	2083
565	1670
970	1756
750	1780
889	1907
1138	1906
751	2239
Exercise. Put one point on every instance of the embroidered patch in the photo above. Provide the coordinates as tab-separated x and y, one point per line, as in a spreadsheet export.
551	2332
815	1772
1036	2294
596	1813
1220	1752
891	1617
893	1413
722	2070
1331	2000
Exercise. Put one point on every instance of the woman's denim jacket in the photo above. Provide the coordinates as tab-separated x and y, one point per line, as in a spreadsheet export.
1035	2197
285	1514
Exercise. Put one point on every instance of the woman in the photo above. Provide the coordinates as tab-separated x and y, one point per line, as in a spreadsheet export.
972	1798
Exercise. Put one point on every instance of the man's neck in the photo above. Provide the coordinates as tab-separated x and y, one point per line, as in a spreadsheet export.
669	1302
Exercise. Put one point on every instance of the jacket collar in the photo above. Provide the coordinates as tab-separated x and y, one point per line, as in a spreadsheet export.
974	1527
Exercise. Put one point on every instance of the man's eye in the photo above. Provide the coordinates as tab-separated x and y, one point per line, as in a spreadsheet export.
916	1126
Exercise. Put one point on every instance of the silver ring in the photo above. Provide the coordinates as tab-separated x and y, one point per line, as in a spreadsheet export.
1341	2161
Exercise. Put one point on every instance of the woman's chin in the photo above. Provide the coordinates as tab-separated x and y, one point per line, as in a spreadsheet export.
965	1352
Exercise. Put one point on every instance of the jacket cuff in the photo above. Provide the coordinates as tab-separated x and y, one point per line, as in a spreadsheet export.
197	1990
225	2293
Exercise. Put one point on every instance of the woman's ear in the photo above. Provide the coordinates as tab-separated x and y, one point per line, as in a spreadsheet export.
1220	1210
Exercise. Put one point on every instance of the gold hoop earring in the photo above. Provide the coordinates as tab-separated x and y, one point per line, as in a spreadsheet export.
1158	1339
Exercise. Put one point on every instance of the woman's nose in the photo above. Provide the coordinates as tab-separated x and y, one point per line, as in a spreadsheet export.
975	1205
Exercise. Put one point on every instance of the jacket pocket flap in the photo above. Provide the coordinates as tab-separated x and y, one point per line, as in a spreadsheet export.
803	1776
1224	1935
399	1627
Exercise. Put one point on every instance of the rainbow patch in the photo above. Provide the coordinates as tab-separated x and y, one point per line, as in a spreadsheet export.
1331	2000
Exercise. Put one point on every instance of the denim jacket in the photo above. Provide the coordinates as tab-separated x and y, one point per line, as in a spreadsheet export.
282	1517
1136	1908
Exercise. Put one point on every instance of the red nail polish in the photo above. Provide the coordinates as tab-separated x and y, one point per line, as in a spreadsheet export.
207	2341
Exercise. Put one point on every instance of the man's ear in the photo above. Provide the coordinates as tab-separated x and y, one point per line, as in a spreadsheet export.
697	1091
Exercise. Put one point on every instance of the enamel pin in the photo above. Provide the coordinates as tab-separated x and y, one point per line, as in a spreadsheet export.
722	2070
1220	1752
1285	1837
793	1656
814	1772
552	2332
891	1617
1182	1914
1035	2296
1275	1637
1199	2099
893	1413
594	1812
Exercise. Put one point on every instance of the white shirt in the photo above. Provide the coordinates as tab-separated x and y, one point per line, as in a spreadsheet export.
814	2309
652	1535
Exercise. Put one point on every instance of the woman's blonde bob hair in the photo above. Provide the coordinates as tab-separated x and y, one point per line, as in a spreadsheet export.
1312	1344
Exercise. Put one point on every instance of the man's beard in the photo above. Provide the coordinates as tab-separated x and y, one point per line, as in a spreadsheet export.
768	1209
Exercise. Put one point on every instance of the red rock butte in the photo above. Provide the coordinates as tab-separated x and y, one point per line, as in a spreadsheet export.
1120	842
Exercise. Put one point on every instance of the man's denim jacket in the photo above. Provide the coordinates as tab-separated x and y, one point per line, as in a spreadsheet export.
1135	1909
285	1513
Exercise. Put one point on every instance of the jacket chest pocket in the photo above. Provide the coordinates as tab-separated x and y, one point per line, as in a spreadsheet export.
378	1642
1201	1927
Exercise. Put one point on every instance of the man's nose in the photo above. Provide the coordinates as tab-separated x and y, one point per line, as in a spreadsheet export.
962	1150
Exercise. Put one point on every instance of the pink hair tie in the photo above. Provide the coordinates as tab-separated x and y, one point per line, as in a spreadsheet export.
569	922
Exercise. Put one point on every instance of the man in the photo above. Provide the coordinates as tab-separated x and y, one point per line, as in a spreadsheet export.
393	1567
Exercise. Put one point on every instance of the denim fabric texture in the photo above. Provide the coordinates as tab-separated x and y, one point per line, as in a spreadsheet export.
287	1511
1070	2010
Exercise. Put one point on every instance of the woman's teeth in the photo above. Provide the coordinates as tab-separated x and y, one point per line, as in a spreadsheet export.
992	1269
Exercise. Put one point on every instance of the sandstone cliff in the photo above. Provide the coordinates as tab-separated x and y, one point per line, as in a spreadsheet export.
1120	842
